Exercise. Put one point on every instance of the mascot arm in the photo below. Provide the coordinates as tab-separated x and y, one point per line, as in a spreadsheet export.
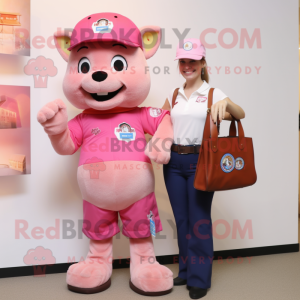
54	118
165	131
158	123
62	143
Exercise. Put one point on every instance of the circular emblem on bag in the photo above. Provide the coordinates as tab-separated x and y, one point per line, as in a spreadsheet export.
227	163
239	163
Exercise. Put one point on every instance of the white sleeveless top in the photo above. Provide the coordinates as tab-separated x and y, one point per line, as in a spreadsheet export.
189	115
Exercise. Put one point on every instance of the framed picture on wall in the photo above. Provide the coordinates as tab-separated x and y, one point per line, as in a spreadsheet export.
15	27
15	156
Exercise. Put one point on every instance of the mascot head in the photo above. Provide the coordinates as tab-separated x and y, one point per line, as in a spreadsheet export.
107	61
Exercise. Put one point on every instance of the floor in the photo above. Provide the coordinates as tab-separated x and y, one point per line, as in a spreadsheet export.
266	277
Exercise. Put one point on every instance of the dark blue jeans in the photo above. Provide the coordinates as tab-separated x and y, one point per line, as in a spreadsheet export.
192	212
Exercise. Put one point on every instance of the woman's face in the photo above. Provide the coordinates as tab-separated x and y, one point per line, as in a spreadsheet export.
190	68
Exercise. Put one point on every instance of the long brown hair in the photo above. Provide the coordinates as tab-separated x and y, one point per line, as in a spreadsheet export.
204	76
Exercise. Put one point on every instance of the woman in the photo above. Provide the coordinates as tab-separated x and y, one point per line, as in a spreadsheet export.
191	207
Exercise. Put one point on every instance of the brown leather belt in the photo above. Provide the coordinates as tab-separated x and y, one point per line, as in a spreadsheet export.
181	149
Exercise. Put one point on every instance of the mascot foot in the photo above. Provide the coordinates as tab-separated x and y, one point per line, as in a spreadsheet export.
94	290
92	275
148	277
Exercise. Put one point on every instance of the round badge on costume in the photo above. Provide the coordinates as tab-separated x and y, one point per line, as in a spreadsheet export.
103	26
155	112
239	163
124	132
188	46
227	163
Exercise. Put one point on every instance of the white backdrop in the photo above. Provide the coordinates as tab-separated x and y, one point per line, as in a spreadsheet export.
269	98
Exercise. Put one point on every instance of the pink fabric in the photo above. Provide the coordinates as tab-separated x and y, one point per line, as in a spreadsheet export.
145	272
119	29
163	139
190	48
101	224
121	184
96	269
96	134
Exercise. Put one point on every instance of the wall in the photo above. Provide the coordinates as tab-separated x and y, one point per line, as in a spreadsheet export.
269	207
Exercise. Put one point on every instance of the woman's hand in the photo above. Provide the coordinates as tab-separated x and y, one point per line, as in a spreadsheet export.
219	109
225	109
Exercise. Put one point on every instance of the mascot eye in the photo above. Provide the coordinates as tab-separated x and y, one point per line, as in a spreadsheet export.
118	63
84	65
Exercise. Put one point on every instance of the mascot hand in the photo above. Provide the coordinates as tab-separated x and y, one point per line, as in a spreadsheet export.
158	150
53	117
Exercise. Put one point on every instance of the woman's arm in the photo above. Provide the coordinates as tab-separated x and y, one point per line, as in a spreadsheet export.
167	106
225	108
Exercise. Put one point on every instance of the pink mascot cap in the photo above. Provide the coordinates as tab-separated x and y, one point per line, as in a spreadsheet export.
106	27
190	48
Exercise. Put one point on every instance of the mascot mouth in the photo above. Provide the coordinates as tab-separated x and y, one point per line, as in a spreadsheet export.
98	97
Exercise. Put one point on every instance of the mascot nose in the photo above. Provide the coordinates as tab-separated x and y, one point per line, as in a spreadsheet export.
99	76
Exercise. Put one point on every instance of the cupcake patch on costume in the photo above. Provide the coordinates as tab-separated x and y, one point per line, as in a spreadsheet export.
155	112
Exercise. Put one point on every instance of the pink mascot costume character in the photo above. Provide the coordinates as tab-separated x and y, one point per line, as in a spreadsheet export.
107	77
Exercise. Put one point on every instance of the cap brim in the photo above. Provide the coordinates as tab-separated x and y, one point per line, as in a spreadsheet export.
189	56
108	39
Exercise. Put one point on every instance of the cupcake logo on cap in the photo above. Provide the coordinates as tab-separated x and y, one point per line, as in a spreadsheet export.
102	26
188	46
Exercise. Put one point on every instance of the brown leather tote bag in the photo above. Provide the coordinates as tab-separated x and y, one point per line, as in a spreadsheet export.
224	163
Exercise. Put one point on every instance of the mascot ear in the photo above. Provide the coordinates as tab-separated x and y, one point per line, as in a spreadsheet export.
62	43
151	36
